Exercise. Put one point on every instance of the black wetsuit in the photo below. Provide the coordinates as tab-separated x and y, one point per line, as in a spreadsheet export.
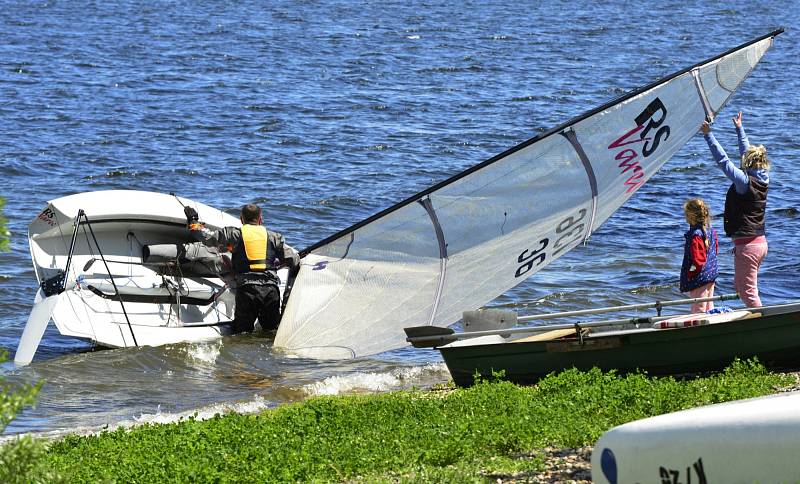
257	293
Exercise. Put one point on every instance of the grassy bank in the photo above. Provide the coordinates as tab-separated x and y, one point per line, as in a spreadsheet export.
462	435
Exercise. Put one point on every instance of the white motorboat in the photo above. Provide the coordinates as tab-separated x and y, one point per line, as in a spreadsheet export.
118	268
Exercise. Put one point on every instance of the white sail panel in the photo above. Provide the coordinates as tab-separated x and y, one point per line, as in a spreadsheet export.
500	223
628	143
465	241
383	271
490	224
721	77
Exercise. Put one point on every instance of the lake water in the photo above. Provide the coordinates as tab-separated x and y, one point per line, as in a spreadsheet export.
326	112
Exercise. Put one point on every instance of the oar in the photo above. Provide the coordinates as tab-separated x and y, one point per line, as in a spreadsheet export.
436	336
656	305
433	336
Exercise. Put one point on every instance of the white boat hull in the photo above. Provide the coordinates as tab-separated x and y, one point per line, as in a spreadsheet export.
755	440
160	304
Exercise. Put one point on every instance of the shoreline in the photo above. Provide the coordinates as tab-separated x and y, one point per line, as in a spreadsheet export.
495	431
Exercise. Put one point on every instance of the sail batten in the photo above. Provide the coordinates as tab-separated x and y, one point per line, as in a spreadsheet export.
702	93
573	139
467	240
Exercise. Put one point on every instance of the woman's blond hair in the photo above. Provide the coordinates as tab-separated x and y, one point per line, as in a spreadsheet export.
755	157
696	211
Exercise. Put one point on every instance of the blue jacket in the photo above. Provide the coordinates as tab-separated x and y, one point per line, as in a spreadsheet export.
739	177
709	271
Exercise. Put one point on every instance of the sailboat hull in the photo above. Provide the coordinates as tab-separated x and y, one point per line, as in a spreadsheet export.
113	297
774	338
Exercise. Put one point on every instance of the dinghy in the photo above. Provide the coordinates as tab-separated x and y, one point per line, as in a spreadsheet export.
660	345
459	244
752	440
118	269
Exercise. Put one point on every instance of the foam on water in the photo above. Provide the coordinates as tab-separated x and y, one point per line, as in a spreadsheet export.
396	379
257	404
361	382
204	352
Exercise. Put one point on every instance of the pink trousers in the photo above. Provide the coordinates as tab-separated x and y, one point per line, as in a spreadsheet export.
702	291
747	259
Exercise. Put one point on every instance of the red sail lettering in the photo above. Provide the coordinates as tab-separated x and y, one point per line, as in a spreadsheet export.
627	156
632	182
619	142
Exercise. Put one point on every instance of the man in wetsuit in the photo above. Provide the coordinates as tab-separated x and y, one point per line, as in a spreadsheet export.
257	253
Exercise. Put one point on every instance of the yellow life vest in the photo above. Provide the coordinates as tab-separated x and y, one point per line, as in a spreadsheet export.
255	241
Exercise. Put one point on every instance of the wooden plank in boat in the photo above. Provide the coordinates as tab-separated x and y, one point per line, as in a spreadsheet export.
547	336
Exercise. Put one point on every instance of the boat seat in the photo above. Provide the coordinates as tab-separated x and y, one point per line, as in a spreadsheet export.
547	336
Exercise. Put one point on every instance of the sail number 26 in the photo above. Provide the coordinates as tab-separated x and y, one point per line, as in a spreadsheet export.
568	231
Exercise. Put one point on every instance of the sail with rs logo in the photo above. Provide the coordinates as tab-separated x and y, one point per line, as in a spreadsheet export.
461	243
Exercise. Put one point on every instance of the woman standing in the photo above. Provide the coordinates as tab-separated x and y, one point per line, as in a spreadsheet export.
745	208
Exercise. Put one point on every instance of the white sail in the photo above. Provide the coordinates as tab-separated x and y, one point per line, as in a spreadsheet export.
467	240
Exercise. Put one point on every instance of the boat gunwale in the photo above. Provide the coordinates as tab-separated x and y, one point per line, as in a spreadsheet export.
773	313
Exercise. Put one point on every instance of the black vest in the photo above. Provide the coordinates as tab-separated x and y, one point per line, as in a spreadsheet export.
744	214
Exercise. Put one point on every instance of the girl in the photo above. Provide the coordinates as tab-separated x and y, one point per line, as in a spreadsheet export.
699	269
745	209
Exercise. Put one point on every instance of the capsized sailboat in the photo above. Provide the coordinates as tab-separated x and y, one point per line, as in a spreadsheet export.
463	242
118	268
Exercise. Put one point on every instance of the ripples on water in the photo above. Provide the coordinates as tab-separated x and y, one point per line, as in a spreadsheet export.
328	112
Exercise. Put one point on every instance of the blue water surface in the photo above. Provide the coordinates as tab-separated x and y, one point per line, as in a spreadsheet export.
326	112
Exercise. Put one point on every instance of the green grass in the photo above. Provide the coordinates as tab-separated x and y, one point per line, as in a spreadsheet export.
411	436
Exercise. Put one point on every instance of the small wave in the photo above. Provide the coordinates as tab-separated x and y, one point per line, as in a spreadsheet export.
259	107
370	382
187	171
204	352
341	202
449	69
268	127
653	288
256	405
528	303
525	98
21	69
120	173
789	212
685	169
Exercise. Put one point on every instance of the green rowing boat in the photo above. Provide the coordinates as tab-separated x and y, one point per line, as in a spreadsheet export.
770	333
